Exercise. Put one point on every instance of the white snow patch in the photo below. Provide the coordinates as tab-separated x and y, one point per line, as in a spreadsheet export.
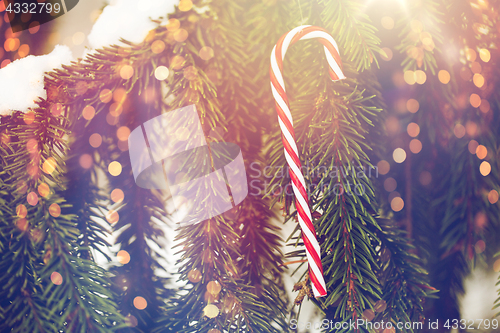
128	19
21	82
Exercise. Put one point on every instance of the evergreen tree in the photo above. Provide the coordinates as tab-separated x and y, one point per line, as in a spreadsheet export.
66	180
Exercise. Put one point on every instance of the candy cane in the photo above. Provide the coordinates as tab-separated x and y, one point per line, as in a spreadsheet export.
313	251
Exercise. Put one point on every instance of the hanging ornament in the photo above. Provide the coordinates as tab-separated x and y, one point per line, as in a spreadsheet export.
288	136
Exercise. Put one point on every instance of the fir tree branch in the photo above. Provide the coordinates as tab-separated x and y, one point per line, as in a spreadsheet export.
404	280
39	139
352	30
422	34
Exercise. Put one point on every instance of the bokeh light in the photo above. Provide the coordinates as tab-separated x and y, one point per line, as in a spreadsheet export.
112	216
409	77
32	146
471	55
480	220
471	128
427	41
478	80
383	167
496	265
485	168
88	112
49	166
214	287
206	53
485	106
480	246
120	95
55	210
173	24
56	278
493	196
95	140
177	62
56	109
380	306
399	155
194	276
185	5
140	303
11	44
158	46
126	72
161	73
386	54
475	100
397	204
22	224
24	50
131	320
190	73
123	133
390	184
117	195
415	146
444	76
387	22
459	131
105	95
485	55
32	198
412	105
34	27
481	152
29	117
123	257
413	129
211	311
43	189
115	109
86	161
472	146
180	35
420	77
115	168
368	314
21	211
111	120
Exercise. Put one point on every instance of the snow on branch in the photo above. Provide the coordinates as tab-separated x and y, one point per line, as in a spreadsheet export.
128	19
21	82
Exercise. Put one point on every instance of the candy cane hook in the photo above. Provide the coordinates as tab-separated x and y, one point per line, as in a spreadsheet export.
313	251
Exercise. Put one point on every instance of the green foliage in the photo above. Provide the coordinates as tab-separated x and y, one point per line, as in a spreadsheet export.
421	34
352	29
404	281
45	267
230	267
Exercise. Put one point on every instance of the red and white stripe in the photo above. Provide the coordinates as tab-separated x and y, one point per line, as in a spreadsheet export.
288	136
